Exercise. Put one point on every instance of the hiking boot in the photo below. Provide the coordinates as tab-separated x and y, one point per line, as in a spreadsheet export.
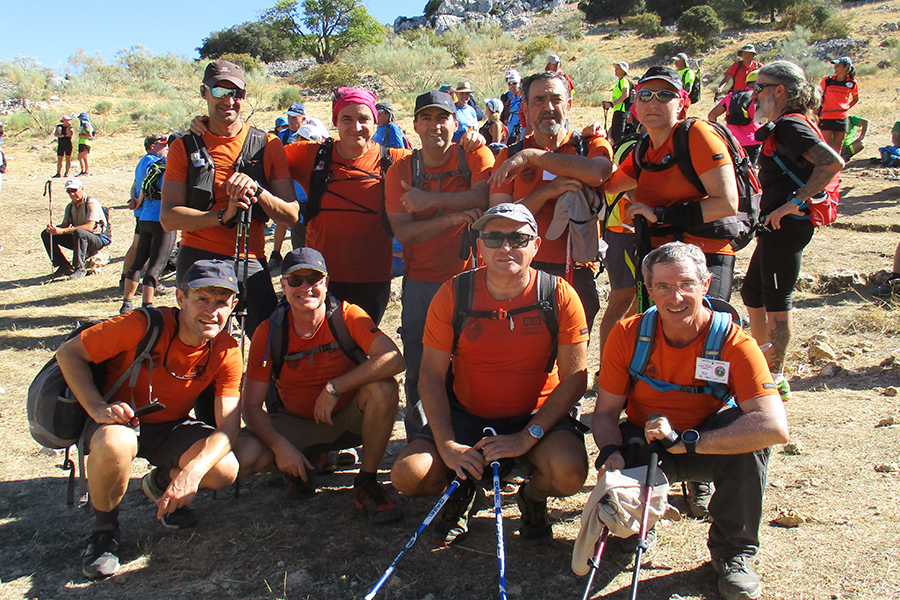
78	274
886	289
297	489
699	494
182	518
534	529
161	290
372	497
98	559
737	579
127	306
275	261
62	271
452	524
784	389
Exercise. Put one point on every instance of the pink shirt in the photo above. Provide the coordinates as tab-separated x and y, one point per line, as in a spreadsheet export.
744	134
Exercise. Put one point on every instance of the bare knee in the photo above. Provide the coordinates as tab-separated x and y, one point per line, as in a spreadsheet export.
252	456
418	471
222	474
114	443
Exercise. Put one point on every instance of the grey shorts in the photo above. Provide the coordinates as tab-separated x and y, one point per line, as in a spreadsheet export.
621	250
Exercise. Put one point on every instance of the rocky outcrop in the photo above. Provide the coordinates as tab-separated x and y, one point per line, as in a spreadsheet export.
508	14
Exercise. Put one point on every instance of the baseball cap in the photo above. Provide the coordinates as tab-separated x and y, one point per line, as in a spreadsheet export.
622	65
748	48
441	100
281	122
463	86
74	184
303	258
844	60
385	107
494	104
507	210
309	132
156	138
512	76
553	58
222	70
65	118
680	56
667	74
211	273
296	110
751	77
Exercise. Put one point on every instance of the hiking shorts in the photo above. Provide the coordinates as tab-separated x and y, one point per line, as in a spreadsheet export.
84	148
775	266
835	124
163	444
345	431
621	245
64	147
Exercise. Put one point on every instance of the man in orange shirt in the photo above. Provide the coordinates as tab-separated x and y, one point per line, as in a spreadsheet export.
503	377
317	399
699	441
207	217
193	352
551	161
431	221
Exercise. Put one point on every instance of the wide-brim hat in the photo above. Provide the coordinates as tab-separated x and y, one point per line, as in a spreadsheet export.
622	65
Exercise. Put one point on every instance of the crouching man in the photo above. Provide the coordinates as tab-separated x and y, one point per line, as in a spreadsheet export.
699	441
509	372
325	374
193	352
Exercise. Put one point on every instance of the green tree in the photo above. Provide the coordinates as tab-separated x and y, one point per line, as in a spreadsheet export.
325	28
600	10
698	26
769	7
256	38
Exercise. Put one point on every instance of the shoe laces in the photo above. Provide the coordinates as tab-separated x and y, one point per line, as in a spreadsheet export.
739	563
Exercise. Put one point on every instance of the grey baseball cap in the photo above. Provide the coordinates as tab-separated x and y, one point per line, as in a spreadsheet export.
507	210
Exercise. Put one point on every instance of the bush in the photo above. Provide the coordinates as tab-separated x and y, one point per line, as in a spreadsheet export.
669	48
646	24
286	96
796	48
103	107
890	43
817	16
329	76
532	49
731	12
593	77
406	67
596	11
246	62
698	27
456	43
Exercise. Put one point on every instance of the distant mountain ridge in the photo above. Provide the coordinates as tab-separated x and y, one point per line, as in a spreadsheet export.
508	14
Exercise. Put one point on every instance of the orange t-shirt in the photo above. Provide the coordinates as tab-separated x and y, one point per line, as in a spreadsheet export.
436	260
748	375
225	152
670	187
301	381
836	97
498	366
348	231
116	341
531	179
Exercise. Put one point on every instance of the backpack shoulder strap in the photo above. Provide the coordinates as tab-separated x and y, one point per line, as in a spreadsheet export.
142	353
386	160
462	306
580	143
549	307
719	329
681	149
643	343
318	179
463	165
417	167
254	147
276	345
338	327
515	148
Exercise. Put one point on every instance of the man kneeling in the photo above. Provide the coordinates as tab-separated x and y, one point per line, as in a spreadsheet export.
193	352
504	376
701	441
317	397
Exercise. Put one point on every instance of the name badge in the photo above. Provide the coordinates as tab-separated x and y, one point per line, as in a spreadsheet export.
712	370
548	176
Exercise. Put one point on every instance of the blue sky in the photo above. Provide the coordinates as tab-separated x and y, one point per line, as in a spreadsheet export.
52	30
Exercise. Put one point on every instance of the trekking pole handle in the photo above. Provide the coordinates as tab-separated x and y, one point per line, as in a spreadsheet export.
490	432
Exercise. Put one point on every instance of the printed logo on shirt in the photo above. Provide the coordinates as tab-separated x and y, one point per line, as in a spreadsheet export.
529	175
533	325
473	330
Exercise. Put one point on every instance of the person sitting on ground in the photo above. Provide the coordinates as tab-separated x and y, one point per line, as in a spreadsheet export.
738	71
854	141
85	141
194	352
318	399
740	110
388	133
432	223
697	438
527	401
63	133
84	230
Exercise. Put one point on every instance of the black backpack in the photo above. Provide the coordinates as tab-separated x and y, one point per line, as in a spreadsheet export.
546	305
153	180
738	108
419	175
318	185
739	229
202	169
696	89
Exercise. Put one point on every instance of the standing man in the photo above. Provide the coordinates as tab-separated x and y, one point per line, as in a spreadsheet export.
430	219
526	401
207	212
738	71
465	113
193	352
63	133
512	106
388	133
621	101
701	441
316	397
684	71
83	230
550	162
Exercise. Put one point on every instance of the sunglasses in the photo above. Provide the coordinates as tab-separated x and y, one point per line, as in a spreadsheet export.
664	96
222	92
299	280
495	239
72	191
759	87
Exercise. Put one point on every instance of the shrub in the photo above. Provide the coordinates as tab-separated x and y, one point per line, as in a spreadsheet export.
698	27
593	77
103	107
890	43
286	96
796	48
646	24
532	49
731	12
244	61
596	11
818	16
669	48
406	67
329	76
456	43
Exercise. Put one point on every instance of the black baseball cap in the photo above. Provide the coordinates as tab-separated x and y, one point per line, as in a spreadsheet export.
667	74
211	273
222	70
441	100
303	258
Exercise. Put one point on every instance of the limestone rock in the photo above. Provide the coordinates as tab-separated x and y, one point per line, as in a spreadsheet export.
819	350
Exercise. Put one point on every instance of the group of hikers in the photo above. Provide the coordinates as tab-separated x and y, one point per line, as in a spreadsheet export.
499	297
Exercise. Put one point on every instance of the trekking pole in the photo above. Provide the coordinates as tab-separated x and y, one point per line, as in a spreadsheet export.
645	517
48	192
595	562
501	551
242	244
409	544
605	115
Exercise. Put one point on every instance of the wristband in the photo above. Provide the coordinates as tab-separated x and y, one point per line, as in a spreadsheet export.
220	215
670	440
682	216
605	452
800	204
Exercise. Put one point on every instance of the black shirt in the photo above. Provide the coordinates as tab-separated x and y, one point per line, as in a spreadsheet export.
793	137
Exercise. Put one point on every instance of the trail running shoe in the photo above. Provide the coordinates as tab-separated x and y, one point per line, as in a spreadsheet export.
784	389
78	273
127	306
62	271
534	529
452	524
737	579
372	497
182	518
98	559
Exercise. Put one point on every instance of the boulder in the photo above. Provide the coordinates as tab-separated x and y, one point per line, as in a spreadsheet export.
820	351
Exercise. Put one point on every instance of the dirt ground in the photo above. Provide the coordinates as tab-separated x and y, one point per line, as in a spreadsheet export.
261	545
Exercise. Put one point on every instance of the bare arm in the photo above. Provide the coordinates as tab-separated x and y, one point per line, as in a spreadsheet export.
717	111
75	364
722	200
287	457
416	200
605	427
827	164
590	171
409	231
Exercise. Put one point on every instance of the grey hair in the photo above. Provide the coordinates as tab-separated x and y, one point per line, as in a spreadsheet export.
675	252
545	76
802	96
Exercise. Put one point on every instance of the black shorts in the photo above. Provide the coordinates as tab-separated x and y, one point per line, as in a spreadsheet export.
835	124
163	444
64	146
84	148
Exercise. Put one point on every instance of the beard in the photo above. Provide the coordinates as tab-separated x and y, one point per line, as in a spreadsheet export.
549	127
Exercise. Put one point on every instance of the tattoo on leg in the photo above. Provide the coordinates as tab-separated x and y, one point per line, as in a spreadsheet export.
780	336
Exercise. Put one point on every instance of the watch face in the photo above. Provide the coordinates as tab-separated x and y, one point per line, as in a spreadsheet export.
536	431
690	436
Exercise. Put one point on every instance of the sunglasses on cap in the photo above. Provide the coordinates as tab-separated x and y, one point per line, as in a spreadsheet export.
295	280
664	96
516	239
223	92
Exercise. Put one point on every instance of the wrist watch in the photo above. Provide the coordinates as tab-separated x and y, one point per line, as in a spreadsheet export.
329	387
536	431
690	437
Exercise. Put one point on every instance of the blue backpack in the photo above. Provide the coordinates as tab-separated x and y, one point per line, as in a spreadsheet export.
890	156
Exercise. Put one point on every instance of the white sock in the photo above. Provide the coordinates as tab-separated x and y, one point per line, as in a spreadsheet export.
778	377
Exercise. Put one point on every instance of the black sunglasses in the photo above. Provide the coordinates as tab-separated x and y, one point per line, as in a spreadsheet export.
196	371
298	280
759	87
516	239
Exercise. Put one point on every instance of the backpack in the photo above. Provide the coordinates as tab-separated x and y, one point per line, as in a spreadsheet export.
890	156
696	89
419	175
740	228
106	231
201	178
153	180
546	305
738	106
318	184
622	149
824	205
55	417
279	335
719	329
